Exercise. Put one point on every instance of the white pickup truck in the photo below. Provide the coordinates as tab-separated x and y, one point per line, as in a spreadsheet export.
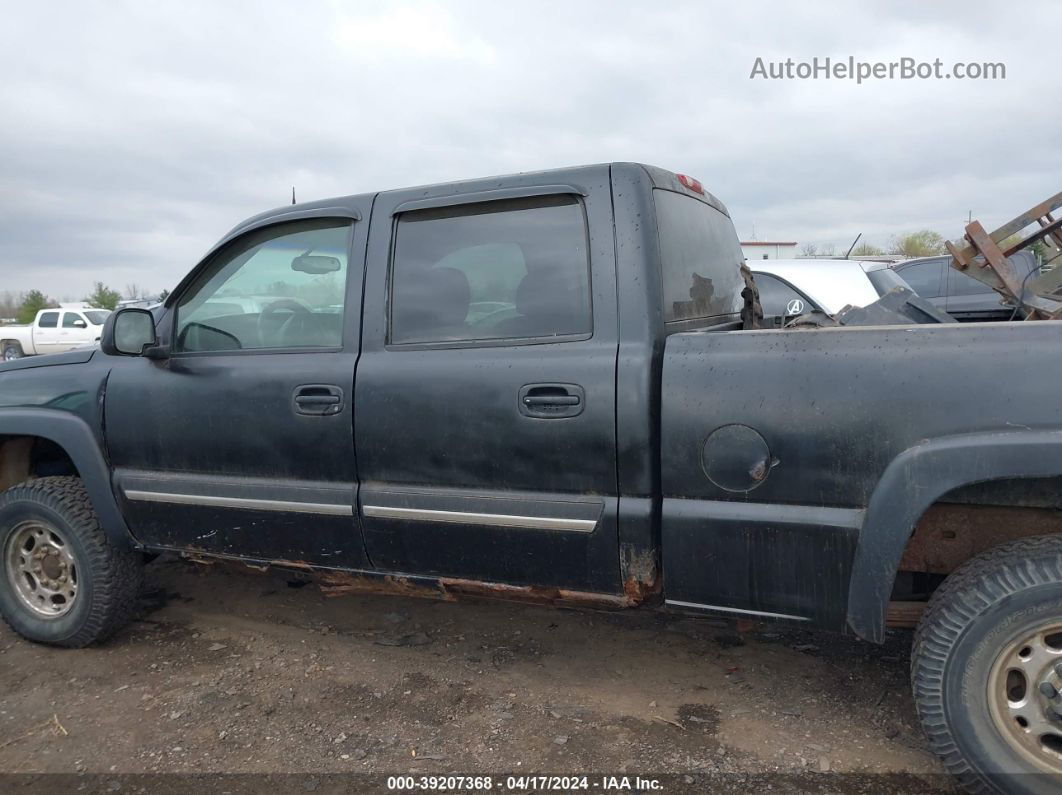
53	331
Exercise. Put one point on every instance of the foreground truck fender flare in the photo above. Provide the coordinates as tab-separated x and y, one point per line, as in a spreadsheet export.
919	477
76	438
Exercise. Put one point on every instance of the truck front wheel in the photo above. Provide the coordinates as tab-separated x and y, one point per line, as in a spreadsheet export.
987	669
12	351
63	583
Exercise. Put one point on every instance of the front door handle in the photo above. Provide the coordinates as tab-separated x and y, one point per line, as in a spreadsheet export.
318	400
551	401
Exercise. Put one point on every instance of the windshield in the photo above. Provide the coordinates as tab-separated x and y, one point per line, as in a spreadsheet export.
96	316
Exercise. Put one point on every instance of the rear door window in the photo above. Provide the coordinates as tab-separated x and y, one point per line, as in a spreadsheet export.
924	277
510	269
700	259
49	320
961	284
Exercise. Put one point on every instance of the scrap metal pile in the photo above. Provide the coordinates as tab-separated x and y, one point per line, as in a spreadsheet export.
987	259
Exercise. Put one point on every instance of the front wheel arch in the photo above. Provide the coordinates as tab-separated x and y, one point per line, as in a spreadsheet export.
73	435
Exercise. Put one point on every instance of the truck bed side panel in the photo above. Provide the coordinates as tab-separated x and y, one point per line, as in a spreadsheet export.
821	414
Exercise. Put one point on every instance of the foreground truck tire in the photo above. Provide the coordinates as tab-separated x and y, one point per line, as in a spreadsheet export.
63	583
987	669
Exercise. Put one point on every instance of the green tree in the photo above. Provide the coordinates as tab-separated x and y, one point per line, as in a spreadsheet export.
924	243
32	303
866	250
1039	249
164	295
103	297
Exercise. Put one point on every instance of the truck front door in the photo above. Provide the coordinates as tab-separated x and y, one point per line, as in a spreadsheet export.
73	332
485	426
241	442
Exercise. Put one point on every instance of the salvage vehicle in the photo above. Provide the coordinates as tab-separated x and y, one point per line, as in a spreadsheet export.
796	286
961	296
554	386
53	331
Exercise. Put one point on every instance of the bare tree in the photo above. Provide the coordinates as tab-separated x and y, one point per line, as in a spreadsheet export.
809	250
9	304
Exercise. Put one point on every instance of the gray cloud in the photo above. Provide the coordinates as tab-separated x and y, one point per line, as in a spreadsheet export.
135	135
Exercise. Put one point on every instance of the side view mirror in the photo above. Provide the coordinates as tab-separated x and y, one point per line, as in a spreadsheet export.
128	332
315	264
79	323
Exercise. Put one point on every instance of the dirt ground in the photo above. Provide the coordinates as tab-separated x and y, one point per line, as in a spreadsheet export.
242	672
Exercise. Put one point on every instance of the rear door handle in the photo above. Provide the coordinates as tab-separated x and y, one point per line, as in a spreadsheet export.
547	400
320	400
551	401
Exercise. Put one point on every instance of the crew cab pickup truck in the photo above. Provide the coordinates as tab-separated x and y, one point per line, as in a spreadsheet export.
53	331
553	386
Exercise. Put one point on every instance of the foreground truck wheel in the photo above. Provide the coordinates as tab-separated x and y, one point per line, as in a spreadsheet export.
63	583
987	669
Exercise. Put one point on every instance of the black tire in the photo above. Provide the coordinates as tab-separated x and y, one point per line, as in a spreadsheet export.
12	351
981	610
108	579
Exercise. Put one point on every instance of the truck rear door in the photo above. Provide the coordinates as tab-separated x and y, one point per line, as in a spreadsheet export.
485	424
45	333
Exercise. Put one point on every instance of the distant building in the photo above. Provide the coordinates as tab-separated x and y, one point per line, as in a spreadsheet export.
765	249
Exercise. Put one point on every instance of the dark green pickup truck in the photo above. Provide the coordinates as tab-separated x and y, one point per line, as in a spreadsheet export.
553	386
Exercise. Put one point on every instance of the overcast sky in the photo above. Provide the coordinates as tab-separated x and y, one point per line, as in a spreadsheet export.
135	134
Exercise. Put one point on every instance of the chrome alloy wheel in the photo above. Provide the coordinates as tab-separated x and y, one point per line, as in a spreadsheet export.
41	569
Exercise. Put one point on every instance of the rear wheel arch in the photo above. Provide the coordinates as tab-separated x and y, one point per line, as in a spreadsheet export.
15	348
61	434
916	480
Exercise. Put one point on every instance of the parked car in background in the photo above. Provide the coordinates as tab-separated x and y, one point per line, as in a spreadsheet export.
961	296
53	331
797	286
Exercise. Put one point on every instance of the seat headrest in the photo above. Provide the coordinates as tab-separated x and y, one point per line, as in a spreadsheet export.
538	294
432	307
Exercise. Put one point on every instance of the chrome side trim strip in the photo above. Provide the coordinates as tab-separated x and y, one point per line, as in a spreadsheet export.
677	603
778	513
242	502
492	519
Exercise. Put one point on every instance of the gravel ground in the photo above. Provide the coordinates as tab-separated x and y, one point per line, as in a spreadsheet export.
239	672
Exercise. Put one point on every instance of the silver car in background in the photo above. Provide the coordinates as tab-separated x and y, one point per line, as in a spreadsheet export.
791	287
